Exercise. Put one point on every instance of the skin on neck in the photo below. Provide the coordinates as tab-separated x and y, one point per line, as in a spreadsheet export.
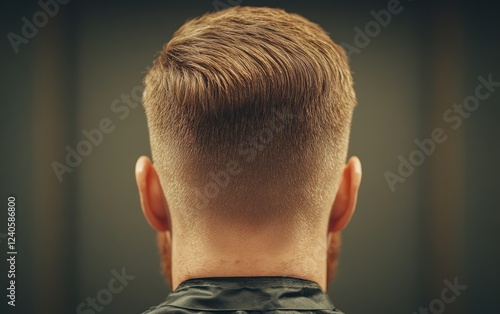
232	253
263	253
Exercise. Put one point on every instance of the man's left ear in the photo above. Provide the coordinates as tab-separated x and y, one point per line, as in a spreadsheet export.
153	202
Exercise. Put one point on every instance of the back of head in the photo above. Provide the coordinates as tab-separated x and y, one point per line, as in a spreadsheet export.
249	112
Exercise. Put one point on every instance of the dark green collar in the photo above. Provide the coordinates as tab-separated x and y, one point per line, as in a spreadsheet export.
247	294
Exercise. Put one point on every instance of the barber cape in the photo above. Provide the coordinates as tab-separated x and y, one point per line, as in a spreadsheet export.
246	295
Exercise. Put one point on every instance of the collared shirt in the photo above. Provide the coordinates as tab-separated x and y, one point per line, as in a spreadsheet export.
246	295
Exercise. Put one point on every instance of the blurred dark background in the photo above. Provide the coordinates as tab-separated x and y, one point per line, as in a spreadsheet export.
439	223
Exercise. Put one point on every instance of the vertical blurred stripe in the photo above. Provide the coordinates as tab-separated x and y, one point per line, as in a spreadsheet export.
51	234
447	175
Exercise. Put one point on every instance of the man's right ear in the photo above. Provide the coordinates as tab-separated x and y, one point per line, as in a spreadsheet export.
347	196
153	202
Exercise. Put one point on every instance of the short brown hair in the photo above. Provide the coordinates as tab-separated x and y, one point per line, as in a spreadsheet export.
249	108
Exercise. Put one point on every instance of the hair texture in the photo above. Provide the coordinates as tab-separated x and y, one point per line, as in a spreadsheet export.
249	111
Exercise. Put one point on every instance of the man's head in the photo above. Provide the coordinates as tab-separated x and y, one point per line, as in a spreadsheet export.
249	112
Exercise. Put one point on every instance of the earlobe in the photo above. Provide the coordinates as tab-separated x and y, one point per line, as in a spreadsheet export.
347	195
153	202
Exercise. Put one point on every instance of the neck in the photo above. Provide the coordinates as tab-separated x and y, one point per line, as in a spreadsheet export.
238	254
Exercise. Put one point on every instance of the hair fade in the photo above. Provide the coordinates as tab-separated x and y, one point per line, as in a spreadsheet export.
222	79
